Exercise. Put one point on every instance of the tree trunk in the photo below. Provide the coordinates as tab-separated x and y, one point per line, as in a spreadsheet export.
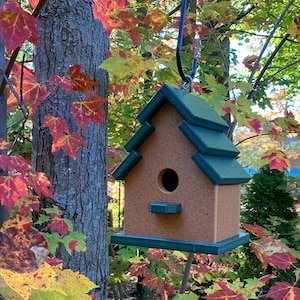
68	34
3	125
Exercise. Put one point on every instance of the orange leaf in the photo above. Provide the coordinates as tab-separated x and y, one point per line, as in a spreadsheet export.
88	110
16	25
81	82
71	142
4	145
256	230
277	159
157	19
57	126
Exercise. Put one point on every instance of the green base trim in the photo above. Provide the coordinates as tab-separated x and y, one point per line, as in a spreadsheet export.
188	246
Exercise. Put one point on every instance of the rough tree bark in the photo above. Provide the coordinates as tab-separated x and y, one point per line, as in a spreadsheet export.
68	34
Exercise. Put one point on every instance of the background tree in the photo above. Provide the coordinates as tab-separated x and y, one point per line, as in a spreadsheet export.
268	202
68	34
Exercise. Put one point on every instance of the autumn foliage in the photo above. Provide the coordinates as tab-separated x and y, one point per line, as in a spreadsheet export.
30	237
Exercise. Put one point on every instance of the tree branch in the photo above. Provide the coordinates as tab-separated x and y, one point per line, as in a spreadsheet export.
264	69
269	39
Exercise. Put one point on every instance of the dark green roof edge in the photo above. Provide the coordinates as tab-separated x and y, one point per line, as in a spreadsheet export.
127	165
139	137
192	108
221	170
191	247
209	141
152	107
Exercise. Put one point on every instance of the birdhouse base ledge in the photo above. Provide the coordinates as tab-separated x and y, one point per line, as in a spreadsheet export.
188	246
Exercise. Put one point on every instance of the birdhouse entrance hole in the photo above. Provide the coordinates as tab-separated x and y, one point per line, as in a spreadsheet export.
168	180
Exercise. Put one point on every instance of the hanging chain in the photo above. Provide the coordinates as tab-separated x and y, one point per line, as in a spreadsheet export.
186	80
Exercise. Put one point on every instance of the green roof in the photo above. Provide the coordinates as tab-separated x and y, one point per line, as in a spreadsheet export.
204	128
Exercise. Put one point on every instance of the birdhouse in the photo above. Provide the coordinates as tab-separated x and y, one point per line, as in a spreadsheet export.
182	179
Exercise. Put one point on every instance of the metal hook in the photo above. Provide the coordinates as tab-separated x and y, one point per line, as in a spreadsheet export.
187	79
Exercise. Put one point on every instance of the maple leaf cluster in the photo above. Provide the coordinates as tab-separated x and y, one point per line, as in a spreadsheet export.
21	183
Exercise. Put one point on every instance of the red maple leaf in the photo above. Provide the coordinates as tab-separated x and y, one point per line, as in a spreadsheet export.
15	163
81	81
249	61
65	82
266	278
33	3
266	247
254	124
57	126
127	22
60	225
139	270
17	25
28	205
225	293
283	291
101	9
256	230
73	245
70	142
282	261
40	183
12	189
53	261
89	110
34	93
276	159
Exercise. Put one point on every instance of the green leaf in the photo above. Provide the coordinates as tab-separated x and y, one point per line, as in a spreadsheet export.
53	240
42	219
74	241
190	296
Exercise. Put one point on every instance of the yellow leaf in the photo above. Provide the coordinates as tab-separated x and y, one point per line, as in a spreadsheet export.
44	279
294	29
49	278
73	283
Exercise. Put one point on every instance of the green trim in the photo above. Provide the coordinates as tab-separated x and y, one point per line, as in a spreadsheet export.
188	246
221	170
209	141
152	107
140	136
164	208
127	165
193	109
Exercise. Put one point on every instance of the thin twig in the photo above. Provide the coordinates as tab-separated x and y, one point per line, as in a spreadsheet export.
268	40
264	69
16	95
